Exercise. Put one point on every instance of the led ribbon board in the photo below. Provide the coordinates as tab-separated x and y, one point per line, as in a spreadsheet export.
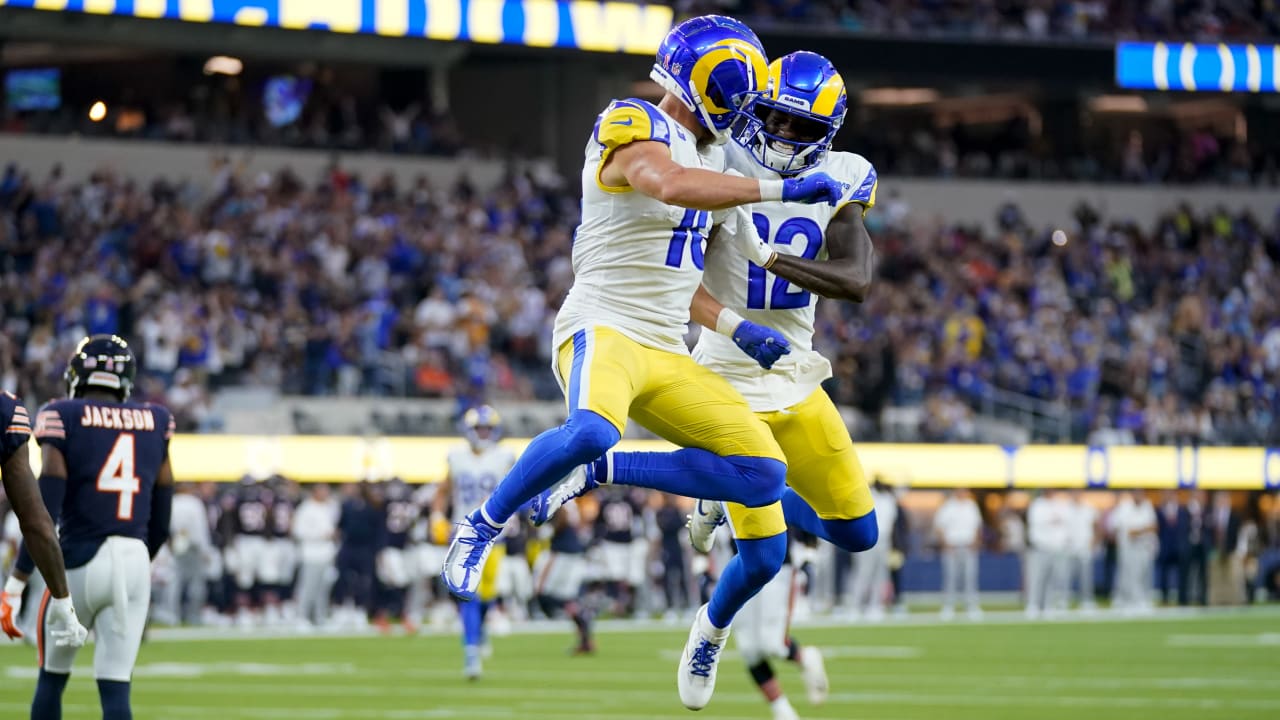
1198	68
578	24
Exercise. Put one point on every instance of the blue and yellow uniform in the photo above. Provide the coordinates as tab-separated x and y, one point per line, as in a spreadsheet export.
620	333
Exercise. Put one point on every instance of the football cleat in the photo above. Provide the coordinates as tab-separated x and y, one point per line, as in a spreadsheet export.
706	517
472	665
577	483
467	555
696	676
814	672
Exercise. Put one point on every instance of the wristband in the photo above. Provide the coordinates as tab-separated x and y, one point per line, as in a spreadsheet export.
61	602
771	190
727	321
13	586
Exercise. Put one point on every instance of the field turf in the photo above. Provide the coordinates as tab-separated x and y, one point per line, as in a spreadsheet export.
1215	667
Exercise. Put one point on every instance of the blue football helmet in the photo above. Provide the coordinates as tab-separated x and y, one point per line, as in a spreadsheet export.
483	426
805	98
716	66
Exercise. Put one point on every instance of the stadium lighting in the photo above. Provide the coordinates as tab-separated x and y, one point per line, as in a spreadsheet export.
223	65
898	96
97	111
1118	104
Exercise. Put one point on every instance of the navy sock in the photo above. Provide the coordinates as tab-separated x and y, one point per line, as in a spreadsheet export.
853	535
47	703
115	700
472	622
582	438
750	481
755	565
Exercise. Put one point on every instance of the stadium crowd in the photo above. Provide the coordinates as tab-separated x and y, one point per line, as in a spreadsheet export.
1045	20
348	285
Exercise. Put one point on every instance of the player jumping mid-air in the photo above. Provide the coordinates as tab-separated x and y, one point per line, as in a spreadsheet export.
821	251
651	182
106	480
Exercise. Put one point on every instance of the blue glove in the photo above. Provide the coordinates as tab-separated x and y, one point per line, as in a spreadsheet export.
813	189
764	344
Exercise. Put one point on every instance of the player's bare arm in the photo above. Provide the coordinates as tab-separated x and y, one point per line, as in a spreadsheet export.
850	267
36	523
763	344
647	167
161	509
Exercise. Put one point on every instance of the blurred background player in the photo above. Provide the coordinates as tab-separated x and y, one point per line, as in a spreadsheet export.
1082	539
764	634
315	528
249	550
958	528
475	468
822	250
191	546
1046	568
559	573
107	481
360	527
622	549
392	562
871	567
37	531
280	566
648	198
1133	523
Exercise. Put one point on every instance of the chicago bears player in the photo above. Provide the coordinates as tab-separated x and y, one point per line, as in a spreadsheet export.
106	478
37	531
475	468
651	181
392	569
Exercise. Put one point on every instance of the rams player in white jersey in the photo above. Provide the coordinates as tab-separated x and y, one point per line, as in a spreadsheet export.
474	471
821	251
651	182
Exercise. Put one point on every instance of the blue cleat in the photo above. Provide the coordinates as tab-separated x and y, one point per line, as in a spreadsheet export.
468	552
580	481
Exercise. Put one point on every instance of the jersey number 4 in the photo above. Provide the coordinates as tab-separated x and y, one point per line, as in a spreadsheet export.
781	296
692	232
117	476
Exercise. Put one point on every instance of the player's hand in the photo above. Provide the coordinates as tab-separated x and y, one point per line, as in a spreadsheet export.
11	607
764	344
63	625
813	189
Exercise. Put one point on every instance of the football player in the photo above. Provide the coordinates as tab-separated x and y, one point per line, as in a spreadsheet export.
475	469
822	251
37	531
106	479
651	181
559	573
392	569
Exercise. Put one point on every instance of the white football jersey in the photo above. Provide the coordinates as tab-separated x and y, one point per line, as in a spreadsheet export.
636	261
764	298
475	476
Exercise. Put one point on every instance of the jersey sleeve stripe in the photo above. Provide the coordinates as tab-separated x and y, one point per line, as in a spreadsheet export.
17	430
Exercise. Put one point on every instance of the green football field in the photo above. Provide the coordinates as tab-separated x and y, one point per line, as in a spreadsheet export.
1218	667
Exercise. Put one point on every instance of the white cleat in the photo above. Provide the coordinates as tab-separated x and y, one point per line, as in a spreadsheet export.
782	710
574	485
706	517
466	557
814	671
472	666
696	676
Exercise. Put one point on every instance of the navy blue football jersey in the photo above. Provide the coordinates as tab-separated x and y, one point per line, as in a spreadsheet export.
401	514
281	518
114	452
16	424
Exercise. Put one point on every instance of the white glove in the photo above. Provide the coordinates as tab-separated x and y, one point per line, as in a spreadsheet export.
11	607
742	232
63	625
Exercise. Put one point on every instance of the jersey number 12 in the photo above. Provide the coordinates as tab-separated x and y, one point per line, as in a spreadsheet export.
781	296
117	476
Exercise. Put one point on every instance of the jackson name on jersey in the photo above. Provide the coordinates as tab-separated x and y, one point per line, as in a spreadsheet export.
764	298
636	260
